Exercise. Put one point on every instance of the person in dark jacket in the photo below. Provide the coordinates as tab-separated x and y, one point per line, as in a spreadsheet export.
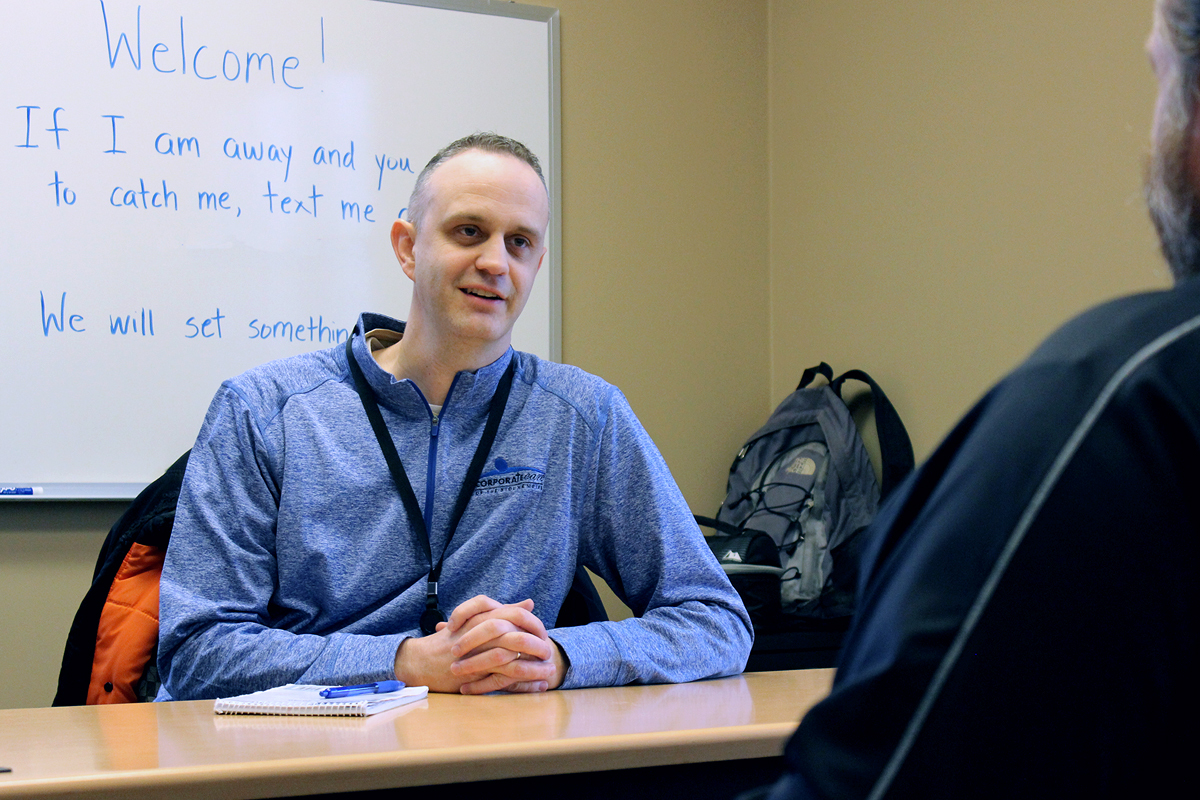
1027	621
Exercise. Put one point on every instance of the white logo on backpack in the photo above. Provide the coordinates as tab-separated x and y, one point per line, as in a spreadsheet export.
802	466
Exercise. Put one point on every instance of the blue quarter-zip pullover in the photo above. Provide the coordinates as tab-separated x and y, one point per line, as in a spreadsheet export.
292	559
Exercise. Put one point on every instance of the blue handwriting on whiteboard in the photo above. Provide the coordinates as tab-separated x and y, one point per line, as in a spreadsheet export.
207	328
165	145
248	152
57	129
62	193
114	118
315	331
129	324
338	158
232	65
351	211
390	164
213	201
28	116
61	321
144	198
286	203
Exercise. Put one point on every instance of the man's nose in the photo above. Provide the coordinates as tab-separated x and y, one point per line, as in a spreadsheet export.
493	256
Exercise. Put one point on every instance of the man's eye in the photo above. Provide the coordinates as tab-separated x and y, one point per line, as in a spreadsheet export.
519	241
469	231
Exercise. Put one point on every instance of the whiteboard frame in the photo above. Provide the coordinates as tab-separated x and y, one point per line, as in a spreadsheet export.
551	272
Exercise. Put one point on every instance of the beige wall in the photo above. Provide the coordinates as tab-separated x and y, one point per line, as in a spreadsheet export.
665	218
921	189
949	182
47	552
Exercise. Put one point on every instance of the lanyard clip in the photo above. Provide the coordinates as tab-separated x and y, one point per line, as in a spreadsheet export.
433	615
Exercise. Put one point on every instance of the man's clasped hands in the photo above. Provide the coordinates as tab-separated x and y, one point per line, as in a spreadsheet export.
485	646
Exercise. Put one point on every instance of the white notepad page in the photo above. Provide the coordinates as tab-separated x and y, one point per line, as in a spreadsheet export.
305	700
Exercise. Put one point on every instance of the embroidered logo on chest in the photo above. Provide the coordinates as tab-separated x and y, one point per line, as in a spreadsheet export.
504	478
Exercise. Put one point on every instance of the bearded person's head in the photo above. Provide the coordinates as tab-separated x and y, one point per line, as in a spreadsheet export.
1171	192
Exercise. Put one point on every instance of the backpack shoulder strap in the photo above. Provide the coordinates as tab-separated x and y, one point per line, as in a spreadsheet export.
895	447
812	372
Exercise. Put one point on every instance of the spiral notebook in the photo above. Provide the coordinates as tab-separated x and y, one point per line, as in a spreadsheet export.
305	700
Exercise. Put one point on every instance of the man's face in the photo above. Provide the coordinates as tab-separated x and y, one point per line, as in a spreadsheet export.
479	247
1170	190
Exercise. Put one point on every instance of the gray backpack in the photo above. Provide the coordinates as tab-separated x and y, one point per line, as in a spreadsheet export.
800	491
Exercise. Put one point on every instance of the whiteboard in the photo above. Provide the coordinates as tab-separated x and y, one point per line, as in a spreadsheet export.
195	187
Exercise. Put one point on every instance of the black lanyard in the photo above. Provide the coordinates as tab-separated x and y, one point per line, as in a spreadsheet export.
432	614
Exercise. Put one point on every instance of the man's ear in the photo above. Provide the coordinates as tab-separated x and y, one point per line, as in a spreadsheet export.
404	240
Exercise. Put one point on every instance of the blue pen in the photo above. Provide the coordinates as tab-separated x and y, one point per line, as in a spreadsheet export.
379	687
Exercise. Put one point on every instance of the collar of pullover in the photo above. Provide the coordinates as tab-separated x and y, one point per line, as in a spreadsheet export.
470	392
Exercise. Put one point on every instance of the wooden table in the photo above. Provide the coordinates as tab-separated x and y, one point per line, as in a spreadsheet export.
183	750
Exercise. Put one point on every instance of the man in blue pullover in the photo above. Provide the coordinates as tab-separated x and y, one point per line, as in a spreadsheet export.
303	552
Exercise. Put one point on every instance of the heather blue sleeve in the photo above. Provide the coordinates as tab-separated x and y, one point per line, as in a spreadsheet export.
220	572
641	538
